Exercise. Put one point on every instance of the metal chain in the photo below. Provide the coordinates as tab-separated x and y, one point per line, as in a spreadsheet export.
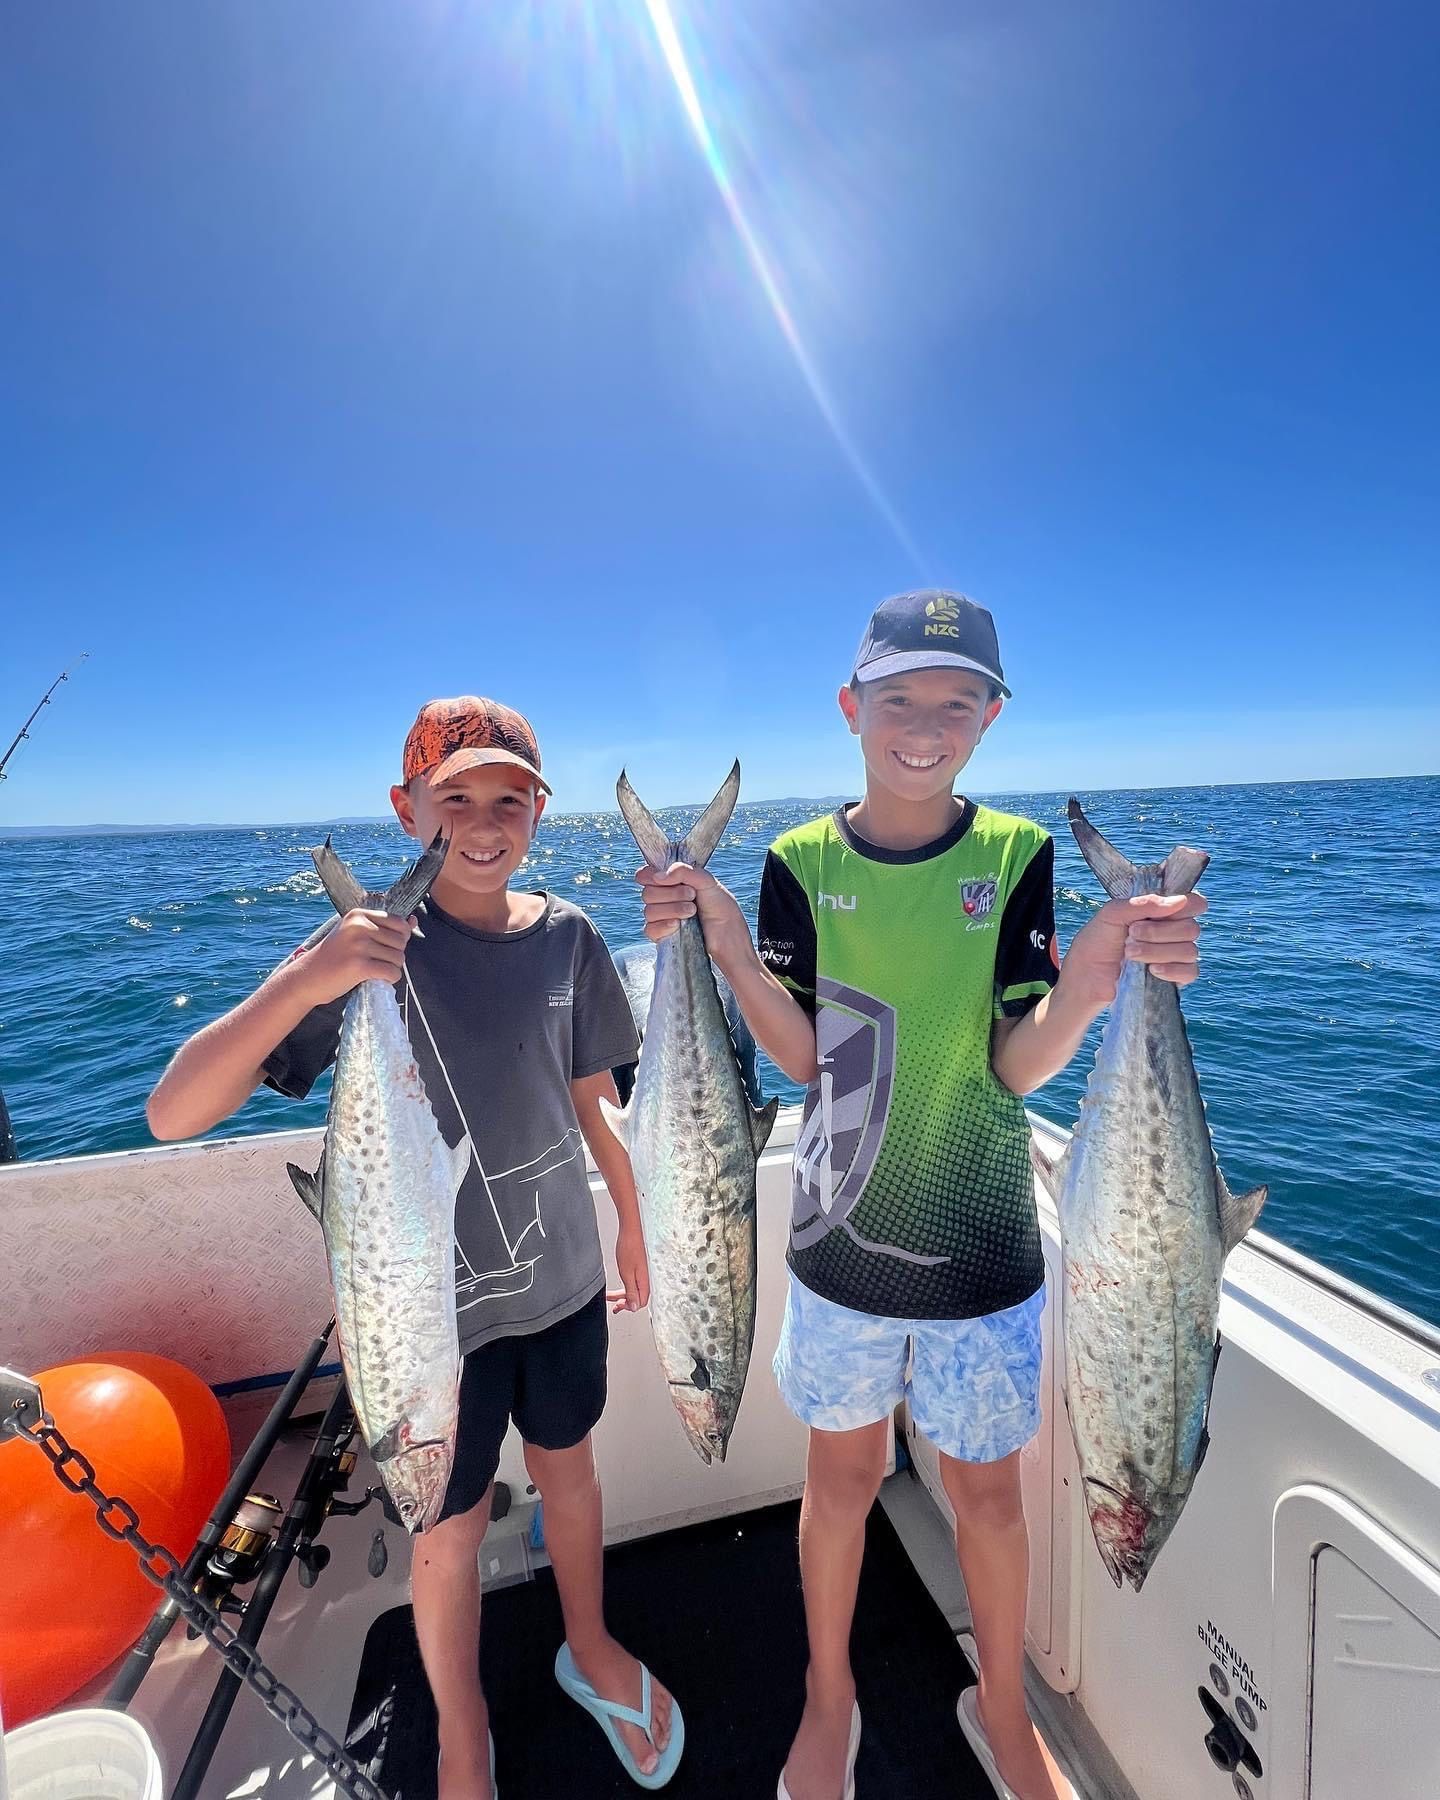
118	1519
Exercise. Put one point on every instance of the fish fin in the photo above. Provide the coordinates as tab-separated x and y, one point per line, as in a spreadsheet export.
400	900
344	890
1238	1212
389	1443
459	1161
700	1374
617	1119
698	844
1050	1170
1182	868
1115	873
1120	877
404	895
1204	1441
762	1123
309	1187
656	847
396	1439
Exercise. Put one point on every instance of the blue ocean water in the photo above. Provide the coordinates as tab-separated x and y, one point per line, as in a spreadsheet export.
1316	1025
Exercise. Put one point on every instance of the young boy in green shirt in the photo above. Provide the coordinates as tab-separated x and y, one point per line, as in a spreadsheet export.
908	975
517	1017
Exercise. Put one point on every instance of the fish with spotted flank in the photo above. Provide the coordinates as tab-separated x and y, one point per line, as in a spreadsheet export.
1146	1221
385	1198
694	1140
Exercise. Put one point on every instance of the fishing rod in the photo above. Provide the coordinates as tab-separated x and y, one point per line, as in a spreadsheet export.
44	701
8	1152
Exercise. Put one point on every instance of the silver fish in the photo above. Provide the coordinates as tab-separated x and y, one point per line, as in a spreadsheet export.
385	1198
1147	1222
636	966
694	1140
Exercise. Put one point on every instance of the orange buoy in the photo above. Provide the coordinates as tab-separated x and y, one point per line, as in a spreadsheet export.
71	1598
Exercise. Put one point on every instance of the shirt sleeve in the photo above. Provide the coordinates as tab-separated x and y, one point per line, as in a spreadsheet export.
296	1063
786	931
1027	958
603	1034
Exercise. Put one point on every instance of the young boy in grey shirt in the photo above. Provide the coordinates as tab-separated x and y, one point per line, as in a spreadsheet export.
517	1017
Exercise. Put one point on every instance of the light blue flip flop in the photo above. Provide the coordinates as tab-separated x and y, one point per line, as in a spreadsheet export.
607	1712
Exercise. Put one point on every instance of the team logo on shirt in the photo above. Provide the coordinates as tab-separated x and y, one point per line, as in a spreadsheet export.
978	897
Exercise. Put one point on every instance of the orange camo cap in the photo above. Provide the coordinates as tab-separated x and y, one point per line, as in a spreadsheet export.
466	733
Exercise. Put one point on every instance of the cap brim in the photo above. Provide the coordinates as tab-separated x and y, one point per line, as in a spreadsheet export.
902	662
459	760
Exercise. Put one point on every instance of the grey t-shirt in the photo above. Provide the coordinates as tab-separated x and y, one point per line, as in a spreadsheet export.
515	1017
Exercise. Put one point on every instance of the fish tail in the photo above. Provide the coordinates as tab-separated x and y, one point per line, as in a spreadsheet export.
1120	877
1115	873
696	847
400	900
1182	868
405	895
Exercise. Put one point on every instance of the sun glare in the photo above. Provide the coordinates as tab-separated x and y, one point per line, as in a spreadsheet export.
667	36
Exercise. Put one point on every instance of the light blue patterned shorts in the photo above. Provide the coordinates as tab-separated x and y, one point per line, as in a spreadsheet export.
973	1384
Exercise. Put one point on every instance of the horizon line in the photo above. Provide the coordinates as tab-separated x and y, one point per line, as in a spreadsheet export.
96	826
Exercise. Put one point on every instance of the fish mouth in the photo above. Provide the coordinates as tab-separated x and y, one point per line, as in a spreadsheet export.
708	1420
1129	1532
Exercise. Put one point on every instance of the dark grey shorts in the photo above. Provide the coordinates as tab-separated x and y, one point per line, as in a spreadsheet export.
552	1383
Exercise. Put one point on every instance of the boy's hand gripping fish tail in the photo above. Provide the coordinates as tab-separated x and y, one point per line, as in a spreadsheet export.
1147	1222
385	1198
694	1140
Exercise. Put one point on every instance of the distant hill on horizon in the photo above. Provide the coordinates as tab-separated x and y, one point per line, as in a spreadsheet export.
54	831
818	800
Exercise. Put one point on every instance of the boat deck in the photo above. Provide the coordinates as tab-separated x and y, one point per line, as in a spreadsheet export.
716	1610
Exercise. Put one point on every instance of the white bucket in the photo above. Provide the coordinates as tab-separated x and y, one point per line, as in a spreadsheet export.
92	1753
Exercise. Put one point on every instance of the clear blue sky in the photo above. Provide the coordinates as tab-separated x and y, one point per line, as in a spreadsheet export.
353	353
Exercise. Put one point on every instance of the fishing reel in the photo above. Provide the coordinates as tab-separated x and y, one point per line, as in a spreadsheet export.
245	1540
239	1556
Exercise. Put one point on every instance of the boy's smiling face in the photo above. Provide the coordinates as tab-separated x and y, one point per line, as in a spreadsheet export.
489	815
917	731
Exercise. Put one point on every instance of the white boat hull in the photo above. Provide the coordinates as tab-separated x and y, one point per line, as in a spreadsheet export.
1301	1588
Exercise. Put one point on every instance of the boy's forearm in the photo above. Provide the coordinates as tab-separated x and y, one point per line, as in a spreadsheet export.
1027	1051
217	1070
778	1022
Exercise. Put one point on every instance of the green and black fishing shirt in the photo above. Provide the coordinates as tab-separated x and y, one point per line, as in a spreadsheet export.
913	1194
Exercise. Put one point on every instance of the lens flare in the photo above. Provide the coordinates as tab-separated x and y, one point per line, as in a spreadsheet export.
668	37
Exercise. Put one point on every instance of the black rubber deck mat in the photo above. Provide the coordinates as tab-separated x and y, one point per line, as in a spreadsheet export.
715	1610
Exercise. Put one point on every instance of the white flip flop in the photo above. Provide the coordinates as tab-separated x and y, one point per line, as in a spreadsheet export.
967	1711
848	1791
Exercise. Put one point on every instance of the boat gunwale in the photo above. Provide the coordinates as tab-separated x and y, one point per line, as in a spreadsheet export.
1420	1332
